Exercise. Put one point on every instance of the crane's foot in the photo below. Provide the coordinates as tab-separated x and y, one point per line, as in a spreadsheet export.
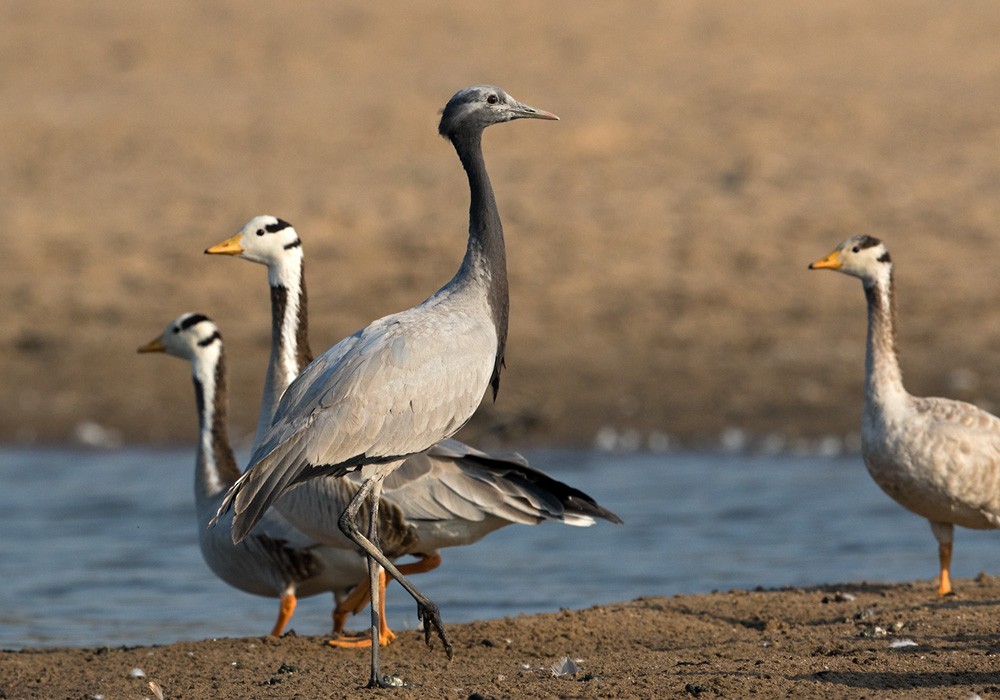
383	682
430	615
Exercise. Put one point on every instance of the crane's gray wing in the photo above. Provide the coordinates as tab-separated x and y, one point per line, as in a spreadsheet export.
453	481
391	390
455	449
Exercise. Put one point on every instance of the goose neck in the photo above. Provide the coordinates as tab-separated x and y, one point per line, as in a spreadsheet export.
216	465
883	379
290	351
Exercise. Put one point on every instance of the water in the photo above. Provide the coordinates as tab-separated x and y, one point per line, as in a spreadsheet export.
99	548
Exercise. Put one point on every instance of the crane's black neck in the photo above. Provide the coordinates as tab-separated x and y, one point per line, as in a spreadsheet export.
213	407
485	260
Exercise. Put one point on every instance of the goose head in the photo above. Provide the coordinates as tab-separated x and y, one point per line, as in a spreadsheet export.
267	240
188	337
477	107
863	257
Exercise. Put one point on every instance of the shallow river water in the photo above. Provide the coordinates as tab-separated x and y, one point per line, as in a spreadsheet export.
99	548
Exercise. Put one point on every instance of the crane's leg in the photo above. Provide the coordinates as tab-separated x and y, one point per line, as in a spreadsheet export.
375	574
357	599
427	611
285	610
945	535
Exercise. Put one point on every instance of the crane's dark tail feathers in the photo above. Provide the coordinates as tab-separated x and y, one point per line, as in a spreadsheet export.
574	501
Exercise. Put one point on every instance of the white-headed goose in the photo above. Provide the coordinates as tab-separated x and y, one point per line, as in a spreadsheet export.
940	458
276	559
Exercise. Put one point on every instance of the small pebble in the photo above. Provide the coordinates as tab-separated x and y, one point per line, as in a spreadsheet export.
137	673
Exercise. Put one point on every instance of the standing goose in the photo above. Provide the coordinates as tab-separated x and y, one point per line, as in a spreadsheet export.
449	495
405	382
275	560
939	458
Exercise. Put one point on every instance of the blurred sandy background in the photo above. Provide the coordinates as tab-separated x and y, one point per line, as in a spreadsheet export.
658	235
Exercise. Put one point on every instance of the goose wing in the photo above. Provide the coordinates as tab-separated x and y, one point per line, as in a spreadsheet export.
964	442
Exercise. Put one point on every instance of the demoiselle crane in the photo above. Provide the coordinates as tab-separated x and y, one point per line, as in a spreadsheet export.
403	383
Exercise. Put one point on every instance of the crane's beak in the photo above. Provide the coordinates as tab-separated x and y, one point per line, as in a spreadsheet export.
830	262
230	246
155	345
523	111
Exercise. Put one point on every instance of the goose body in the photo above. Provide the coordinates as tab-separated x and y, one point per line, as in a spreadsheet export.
405	382
937	457
450	495
276	559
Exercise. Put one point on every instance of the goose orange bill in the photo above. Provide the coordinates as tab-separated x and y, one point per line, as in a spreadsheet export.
830	262
230	246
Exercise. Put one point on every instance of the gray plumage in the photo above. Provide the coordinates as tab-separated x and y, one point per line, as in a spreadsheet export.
408	380
451	487
448	496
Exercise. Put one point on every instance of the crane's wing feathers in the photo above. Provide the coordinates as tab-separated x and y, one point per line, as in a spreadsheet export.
391	390
453	480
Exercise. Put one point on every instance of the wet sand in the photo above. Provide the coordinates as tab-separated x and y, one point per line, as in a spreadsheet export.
851	641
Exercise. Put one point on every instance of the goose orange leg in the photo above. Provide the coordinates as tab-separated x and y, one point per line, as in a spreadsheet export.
358	598
944	533
286	609
362	641
944	556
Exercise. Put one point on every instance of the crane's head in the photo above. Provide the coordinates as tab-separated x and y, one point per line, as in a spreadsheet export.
863	257
477	107
188	336
264	239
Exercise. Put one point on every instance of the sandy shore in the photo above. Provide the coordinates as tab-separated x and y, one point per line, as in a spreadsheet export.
657	236
848	641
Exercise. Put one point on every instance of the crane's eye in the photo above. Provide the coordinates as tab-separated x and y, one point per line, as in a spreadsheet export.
260	232
492	99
